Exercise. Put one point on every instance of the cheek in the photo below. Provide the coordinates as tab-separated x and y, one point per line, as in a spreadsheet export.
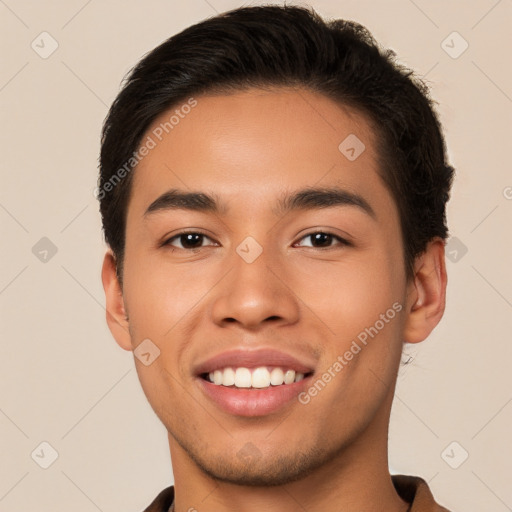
363	307
157	295
350	297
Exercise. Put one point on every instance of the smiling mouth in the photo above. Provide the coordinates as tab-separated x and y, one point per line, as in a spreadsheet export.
262	377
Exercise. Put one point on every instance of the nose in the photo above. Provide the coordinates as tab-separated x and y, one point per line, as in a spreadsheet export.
254	294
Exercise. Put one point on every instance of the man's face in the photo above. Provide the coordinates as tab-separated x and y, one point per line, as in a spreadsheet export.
306	295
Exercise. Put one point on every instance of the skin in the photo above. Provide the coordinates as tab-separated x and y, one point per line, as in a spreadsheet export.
305	298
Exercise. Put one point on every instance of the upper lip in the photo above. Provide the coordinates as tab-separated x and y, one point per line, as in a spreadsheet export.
243	358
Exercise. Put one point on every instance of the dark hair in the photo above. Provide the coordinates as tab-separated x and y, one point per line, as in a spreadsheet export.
267	46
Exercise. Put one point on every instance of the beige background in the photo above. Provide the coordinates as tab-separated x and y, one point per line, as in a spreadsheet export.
66	382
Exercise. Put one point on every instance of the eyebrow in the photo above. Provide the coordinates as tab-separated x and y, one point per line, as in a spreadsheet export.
305	199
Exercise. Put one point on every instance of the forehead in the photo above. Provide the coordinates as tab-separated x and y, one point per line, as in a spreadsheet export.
256	143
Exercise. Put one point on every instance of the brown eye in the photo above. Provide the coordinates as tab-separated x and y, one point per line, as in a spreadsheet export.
188	240
320	239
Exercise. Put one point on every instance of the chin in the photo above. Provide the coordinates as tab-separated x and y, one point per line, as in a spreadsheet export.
253	469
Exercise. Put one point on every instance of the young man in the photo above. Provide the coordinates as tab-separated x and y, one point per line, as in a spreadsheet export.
273	194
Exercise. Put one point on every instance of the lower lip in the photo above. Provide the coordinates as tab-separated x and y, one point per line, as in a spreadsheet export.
252	402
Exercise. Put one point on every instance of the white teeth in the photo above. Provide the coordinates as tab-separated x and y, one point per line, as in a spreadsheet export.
276	377
228	378
259	378
243	378
217	377
289	377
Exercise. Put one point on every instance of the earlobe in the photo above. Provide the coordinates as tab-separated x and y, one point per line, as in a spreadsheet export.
427	293
115	309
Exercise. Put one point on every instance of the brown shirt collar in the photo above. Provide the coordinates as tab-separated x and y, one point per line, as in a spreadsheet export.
415	490
412	489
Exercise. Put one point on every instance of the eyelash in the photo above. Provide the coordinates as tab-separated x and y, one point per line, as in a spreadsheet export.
342	241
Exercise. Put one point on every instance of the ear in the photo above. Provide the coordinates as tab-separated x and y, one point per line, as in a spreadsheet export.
117	319
426	298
